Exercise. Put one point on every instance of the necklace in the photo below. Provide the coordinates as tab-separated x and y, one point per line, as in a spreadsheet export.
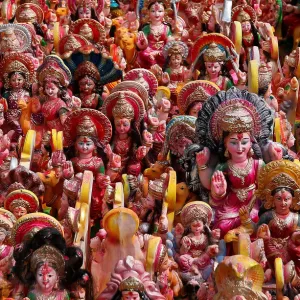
198	242
123	146
282	223
90	164
248	37
177	71
17	94
241	173
218	82
157	31
40	296
88	100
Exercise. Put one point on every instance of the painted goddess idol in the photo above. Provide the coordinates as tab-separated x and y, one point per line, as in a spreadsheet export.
232	129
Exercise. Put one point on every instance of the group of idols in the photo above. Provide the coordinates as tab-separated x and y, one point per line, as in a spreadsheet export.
149	150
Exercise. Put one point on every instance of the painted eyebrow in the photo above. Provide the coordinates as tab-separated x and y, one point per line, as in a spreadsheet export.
245	138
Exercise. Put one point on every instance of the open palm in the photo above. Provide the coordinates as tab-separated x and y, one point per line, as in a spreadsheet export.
218	184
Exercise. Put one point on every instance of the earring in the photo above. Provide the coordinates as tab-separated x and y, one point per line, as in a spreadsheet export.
56	285
226	154
250	153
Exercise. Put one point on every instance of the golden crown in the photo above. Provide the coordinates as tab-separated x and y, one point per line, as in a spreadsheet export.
265	75
131	284
30	14
279	174
123	109
176	49
19	203
16	66
165	3
214	54
86	127
243	17
199	94
71	44
87	68
51	75
194	211
282	180
237	120
285	182
47	255
86	3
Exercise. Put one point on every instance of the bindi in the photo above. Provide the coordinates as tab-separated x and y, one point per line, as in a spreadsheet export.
45	269
240	136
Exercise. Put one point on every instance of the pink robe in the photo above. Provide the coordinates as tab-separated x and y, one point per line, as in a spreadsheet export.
155	43
227	208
